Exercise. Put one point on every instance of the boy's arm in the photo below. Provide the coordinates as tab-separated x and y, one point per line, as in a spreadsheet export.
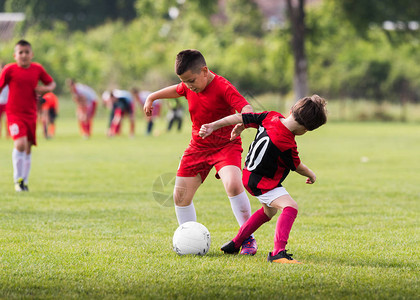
207	129
247	109
305	171
42	89
165	93
237	130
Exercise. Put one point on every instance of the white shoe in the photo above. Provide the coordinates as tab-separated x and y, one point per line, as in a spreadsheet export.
19	185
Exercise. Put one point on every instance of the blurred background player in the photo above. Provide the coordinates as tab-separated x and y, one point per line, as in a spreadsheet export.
48	114
175	114
85	98
23	78
3	101
122	104
141	97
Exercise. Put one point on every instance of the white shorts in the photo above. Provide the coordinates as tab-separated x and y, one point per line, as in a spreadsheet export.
272	195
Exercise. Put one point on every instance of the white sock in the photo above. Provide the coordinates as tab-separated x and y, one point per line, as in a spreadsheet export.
241	207
26	167
18	160
185	213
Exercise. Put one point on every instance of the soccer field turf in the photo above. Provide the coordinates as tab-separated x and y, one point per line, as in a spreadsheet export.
92	226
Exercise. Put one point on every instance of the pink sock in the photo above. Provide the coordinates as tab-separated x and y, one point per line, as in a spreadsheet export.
250	226
283	227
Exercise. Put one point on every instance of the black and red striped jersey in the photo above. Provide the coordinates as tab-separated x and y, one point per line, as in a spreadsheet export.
271	155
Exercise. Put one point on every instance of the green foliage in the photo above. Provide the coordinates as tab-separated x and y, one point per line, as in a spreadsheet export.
363	13
344	64
244	18
78	14
379	65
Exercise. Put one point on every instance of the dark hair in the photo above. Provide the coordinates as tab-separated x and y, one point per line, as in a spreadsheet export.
310	112
191	60
23	43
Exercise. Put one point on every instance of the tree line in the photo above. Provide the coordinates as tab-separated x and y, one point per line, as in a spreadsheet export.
347	50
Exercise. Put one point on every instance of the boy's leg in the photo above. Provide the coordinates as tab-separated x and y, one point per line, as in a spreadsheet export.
285	221
251	225
90	113
18	160
27	164
184	190
232	180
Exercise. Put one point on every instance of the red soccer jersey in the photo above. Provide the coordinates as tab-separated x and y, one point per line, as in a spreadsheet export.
218	100
22	83
272	154
51	101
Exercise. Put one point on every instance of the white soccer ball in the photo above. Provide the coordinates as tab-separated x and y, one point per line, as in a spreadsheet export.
191	238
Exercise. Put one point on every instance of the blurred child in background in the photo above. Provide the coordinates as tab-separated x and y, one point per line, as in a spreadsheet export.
49	112
85	98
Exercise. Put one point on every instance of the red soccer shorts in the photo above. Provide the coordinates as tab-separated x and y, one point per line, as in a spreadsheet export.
200	160
22	126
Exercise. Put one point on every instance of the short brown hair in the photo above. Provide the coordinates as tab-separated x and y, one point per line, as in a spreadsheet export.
23	43
310	112
191	60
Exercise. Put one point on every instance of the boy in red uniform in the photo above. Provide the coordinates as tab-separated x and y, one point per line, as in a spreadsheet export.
21	110
49	109
272	155
210	97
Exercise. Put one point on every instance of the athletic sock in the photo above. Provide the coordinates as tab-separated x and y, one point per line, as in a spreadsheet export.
283	228
149	127
185	213
27	167
18	160
241	207
250	226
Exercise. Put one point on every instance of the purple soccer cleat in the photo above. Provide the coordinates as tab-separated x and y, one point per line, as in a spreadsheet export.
249	246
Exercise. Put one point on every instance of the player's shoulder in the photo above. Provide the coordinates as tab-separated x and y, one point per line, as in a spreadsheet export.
36	65
9	66
222	81
272	116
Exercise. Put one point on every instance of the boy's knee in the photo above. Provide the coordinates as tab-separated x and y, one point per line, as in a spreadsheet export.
180	197
234	188
293	204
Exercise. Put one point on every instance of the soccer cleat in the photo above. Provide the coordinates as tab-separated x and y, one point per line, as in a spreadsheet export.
19	185
229	248
282	258
249	246
25	188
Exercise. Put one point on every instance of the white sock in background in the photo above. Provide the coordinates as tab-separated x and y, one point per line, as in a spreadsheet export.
241	207
18	160
185	213
26	168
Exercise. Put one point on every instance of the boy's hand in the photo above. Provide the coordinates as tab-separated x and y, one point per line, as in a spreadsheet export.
148	107
41	90
310	180
236	131
205	130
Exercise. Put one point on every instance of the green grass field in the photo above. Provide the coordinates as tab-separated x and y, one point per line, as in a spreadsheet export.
91	226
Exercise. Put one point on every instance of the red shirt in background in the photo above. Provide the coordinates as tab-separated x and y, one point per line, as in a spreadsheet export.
22	101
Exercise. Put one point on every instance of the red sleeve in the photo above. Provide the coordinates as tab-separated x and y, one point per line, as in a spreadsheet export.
181	89
235	99
4	77
44	76
296	159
